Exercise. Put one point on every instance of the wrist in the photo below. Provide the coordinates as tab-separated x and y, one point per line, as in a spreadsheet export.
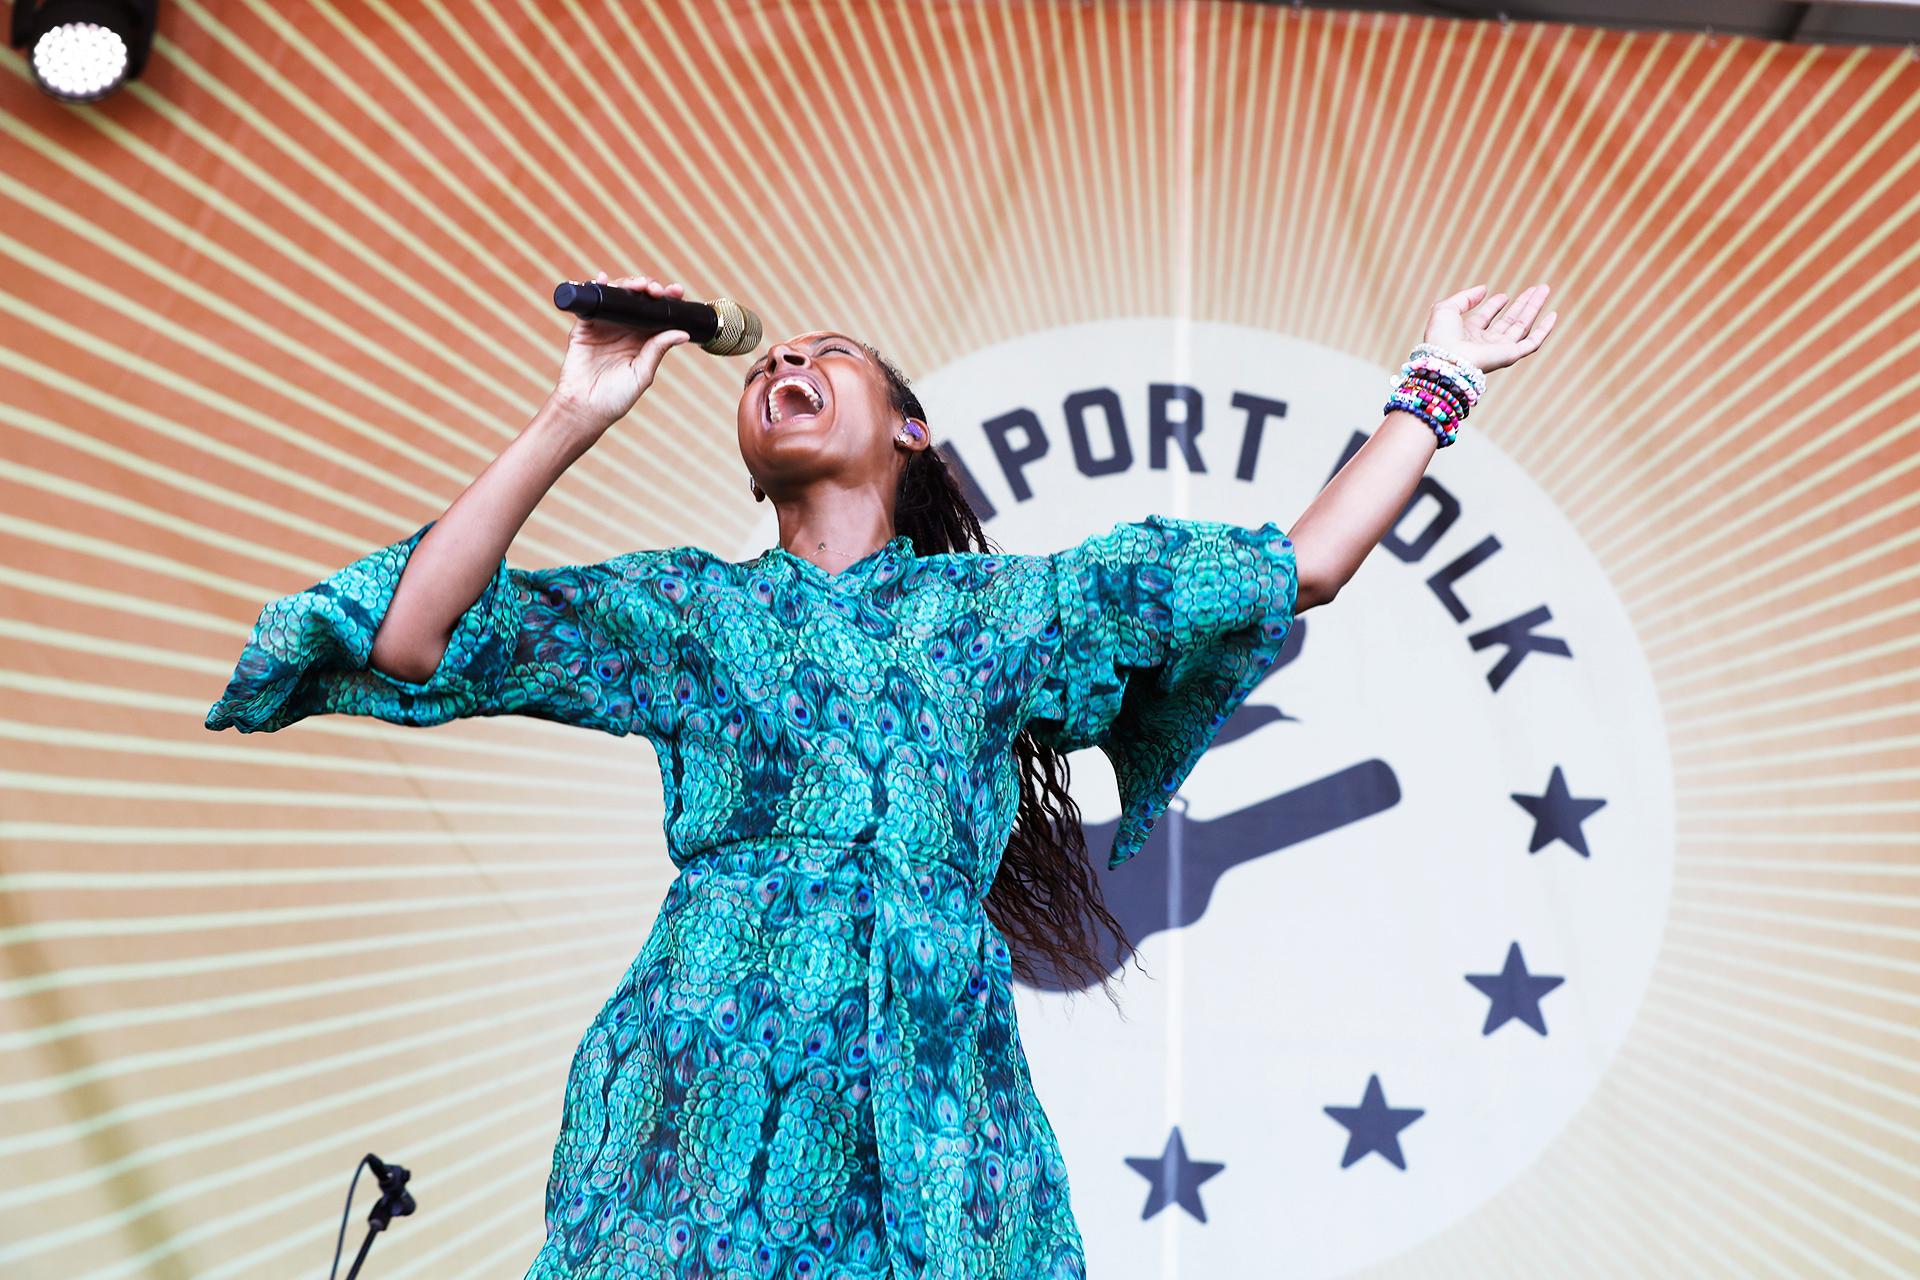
561	415
1437	388
1405	422
561	432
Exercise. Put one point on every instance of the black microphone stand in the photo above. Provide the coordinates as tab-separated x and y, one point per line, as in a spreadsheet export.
394	1200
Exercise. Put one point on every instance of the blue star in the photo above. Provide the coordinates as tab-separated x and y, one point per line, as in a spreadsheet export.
1374	1126
1174	1177
1558	813
1514	993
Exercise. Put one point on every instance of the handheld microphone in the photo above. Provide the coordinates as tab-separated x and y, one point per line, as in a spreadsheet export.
722	326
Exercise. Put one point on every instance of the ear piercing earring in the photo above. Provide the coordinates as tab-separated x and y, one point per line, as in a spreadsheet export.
753	483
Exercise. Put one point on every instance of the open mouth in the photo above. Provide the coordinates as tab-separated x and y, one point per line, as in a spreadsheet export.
793	397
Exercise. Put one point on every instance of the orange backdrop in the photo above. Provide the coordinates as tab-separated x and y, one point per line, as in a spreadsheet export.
232	965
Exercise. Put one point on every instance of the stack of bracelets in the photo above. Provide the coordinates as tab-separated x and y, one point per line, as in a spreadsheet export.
1437	388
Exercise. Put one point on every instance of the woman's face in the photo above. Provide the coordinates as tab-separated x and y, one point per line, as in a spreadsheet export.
818	406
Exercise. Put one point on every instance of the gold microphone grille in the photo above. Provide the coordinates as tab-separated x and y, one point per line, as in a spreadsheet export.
739	330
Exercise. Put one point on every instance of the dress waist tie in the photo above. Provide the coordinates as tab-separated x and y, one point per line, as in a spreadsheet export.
933	965
929	987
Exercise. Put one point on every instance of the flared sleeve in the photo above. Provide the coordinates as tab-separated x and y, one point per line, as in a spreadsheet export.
586	645
1166	625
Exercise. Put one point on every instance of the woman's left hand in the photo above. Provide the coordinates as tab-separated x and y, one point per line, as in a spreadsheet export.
1479	339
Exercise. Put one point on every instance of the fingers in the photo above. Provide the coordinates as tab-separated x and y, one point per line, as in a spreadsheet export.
1462	300
1519	314
647	284
1539	335
1513	327
660	343
1525	308
1529	308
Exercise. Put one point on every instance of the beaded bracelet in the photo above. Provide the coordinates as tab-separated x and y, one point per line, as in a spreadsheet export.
1438	388
1448	394
1476	380
1426	403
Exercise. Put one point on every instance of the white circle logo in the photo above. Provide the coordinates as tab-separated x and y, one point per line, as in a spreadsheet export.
1421	877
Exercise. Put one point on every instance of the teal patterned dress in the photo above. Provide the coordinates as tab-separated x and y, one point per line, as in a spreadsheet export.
812	1069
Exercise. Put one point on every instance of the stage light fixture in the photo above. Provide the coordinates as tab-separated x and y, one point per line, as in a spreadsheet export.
82	50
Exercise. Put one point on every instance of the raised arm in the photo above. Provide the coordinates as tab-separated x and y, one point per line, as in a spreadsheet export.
438	626
457	557
606	370
1346	519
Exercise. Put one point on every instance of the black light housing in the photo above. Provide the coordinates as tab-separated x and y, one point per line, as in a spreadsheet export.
82	50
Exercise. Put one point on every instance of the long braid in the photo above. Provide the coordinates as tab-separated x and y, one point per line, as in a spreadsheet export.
1046	898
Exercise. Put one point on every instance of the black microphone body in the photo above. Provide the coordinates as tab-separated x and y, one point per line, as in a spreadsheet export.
722	326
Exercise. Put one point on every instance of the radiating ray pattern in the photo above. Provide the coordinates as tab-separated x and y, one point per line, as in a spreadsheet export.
227	962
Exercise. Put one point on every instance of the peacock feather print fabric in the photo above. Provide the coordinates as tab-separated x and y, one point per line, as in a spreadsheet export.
813	1069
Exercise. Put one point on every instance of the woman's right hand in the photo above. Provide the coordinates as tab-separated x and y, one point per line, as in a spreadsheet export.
608	366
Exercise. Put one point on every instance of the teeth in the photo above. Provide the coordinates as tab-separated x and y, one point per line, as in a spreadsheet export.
794	380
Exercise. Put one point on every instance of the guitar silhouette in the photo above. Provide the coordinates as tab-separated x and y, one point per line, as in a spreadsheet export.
1168	884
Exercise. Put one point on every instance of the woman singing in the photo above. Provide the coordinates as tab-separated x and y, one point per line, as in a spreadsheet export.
812	1067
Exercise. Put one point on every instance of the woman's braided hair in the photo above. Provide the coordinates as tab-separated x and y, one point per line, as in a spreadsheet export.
1046	898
